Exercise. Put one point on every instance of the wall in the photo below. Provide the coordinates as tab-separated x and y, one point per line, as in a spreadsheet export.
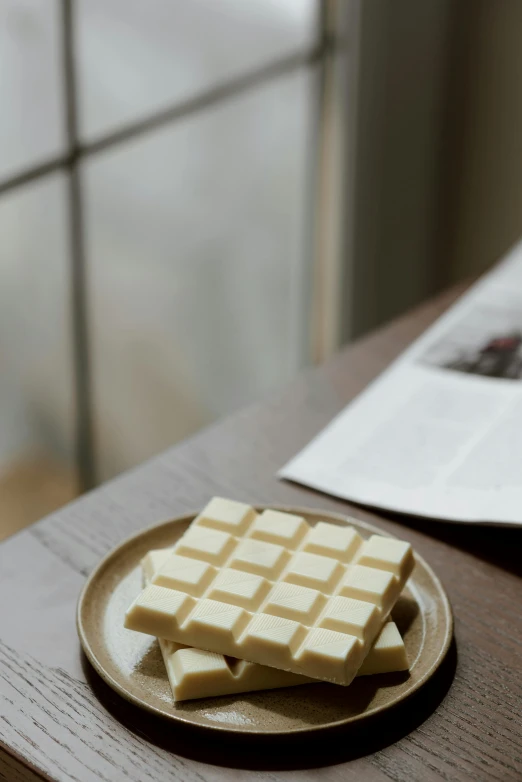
438	183
487	205
403	69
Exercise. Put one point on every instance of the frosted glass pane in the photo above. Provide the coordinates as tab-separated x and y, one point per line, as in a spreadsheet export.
31	117
36	392
137	56
198	268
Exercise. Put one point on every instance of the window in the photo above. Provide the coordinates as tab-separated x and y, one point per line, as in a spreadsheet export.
157	174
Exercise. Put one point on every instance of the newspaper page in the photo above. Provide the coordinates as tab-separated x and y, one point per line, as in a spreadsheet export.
439	434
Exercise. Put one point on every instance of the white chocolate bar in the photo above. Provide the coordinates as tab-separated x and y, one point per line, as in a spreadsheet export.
194	673
264	594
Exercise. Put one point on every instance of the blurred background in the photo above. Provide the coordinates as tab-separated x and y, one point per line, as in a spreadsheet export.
200	197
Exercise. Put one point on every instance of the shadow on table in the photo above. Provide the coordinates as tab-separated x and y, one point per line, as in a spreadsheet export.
497	545
323	748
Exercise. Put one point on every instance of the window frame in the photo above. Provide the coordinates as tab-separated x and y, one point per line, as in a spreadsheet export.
326	188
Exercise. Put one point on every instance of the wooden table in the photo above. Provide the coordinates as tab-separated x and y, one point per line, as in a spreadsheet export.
59	721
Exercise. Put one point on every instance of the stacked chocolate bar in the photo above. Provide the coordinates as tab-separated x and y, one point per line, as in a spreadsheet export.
247	601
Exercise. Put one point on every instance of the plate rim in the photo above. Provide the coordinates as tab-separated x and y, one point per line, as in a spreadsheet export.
233	729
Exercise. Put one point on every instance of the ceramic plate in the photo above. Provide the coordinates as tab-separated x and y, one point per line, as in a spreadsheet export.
132	665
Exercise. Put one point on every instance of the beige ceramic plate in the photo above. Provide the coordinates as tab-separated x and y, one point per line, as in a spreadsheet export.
131	662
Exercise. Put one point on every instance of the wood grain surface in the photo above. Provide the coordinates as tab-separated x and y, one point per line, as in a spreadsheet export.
58	721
